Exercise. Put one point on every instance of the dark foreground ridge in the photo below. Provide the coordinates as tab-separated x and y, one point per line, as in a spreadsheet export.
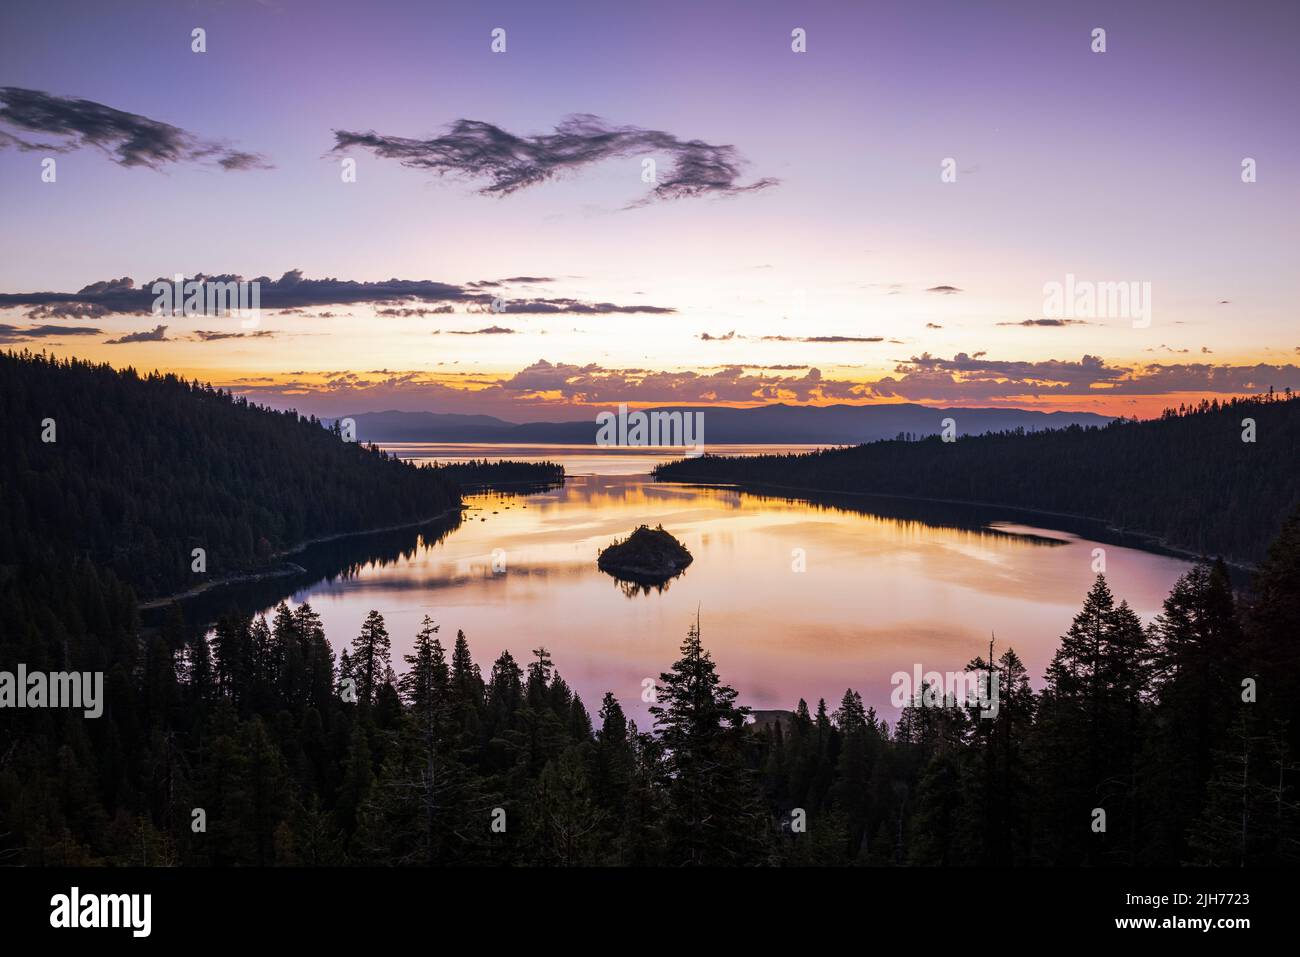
1214	479
1162	745
649	556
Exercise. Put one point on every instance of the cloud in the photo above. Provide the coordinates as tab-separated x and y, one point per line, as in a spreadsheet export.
128	138
933	325
707	337
9	333
157	334
593	384
519	280
487	331
206	335
477	150
966	378
293	291
67	310
945	290
833	339
547	389
408	312
563	307
1051	323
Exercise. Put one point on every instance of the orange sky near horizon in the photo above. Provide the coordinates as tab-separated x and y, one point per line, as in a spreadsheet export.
318	392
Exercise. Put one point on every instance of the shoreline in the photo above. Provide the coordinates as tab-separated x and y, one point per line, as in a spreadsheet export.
1154	540
241	578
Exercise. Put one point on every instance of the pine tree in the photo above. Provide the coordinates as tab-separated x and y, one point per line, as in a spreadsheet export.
713	814
199	672
466	681
317	659
1272	624
851	791
229	647
1198	667
612	758
1091	712
1250	818
371	657
285	661
426	684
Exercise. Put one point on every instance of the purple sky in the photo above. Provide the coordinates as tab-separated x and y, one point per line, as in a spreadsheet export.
1116	166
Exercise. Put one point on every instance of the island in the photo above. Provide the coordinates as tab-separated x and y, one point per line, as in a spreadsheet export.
649	556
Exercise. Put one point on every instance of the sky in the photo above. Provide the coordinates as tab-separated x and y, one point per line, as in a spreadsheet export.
877	218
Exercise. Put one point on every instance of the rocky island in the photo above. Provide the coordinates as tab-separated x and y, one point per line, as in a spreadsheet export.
649	556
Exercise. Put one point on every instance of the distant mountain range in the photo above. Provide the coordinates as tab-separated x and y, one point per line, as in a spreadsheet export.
769	424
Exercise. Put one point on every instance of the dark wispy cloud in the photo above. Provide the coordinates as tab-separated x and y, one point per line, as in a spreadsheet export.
945	290
67	310
1047	323
414	312
539	307
707	337
513	280
293	291
208	335
832	339
481	151
128	138
156	334
486	331
10	333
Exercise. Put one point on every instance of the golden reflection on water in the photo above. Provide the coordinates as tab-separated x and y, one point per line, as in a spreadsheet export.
878	593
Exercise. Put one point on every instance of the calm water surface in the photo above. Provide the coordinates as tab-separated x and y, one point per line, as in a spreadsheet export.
887	584
576	459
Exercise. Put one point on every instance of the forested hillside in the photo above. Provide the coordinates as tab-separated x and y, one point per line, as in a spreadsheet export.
1183	733
289	747
141	470
1187	478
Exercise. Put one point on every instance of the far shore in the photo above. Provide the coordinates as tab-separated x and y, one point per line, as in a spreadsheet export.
1152	540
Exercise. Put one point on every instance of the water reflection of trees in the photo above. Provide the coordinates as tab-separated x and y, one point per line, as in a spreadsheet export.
631	589
914	514
324	562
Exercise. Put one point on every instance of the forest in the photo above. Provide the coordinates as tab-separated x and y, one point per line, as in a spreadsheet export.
256	745
260	741
135	472
1202	479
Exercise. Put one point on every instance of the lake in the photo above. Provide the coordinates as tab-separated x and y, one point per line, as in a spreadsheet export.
576	459
795	598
